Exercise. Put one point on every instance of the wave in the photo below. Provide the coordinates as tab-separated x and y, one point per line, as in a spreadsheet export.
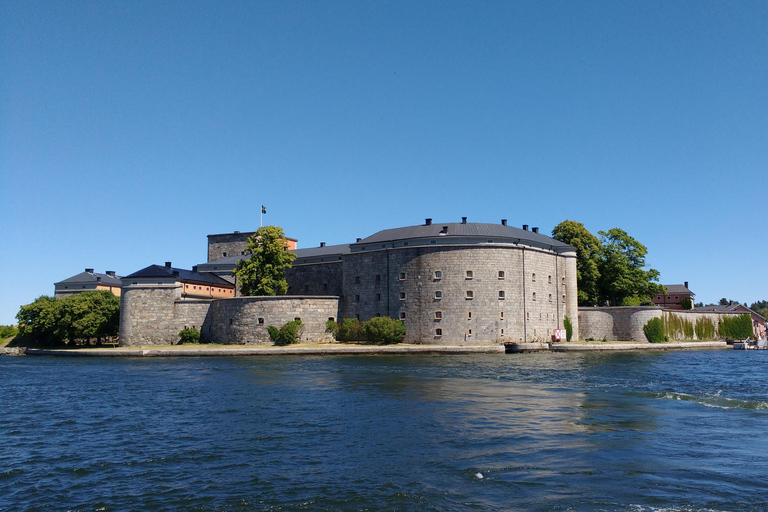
716	401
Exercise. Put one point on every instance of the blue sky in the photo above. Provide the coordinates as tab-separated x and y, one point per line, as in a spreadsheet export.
131	130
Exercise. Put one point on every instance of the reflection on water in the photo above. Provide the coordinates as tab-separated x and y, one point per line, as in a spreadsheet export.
608	432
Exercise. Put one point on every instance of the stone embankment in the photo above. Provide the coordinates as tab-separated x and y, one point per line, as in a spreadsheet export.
340	349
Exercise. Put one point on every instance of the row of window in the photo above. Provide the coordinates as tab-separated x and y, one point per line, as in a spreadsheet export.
469	274
470	294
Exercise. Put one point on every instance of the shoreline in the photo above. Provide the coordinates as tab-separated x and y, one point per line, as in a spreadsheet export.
337	349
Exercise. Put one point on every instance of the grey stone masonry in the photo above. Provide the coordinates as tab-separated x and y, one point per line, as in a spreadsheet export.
230	244
463	294
626	323
244	320
315	279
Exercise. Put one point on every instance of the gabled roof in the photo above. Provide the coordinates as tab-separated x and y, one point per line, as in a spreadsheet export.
729	308
91	278
678	289
496	232
161	271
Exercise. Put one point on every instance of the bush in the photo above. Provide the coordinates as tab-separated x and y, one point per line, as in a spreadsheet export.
6	331
383	329
332	328
654	331
705	329
568	328
350	330
287	334
686	303
736	327
189	335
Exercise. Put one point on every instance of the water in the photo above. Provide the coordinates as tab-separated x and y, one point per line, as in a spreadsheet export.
677	431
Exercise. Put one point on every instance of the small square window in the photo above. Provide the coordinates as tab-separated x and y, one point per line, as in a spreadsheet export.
533	276
563	297
549	279
469	332
502	295
402	315
357	279
433	242
357	298
469	315
502	332
402	276
261	321
438	274
438	332
378	296
501	315
550	297
501	274
438	295
402	295
297	319
470	294
438	315
378	277
534	295
470	274
230	321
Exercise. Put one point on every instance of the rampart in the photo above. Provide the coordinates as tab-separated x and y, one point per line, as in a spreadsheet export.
626	323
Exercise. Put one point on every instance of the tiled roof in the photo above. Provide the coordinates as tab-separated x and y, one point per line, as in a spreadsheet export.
160	271
458	230
91	277
678	289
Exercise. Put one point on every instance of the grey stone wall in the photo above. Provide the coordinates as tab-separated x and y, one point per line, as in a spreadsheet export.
315	279
154	314
626	323
244	320
232	244
397	281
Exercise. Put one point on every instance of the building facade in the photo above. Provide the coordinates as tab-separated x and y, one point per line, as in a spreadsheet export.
88	281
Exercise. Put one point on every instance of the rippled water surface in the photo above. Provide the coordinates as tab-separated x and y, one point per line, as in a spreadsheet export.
603	432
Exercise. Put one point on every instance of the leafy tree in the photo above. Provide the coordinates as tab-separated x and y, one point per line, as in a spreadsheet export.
654	331
287	334
382	329
189	335
81	316
40	319
350	329
622	274
263	273
568	328
724	302
686	303
6	331
588	258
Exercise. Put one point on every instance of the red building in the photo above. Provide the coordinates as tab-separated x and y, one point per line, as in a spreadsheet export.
674	297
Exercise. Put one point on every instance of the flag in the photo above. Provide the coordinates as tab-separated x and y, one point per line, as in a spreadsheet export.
263	209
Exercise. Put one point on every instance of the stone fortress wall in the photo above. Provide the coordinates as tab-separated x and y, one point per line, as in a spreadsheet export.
626	323
153	314
464	293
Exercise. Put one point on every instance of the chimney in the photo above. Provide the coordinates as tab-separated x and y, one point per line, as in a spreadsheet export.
167	264
89	270
444	231
322	244
427	222
463	220
359	239
686	284
111	273
535	230
525	227
503	222
194	268
237	232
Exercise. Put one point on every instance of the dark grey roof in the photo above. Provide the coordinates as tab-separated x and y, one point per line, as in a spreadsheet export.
729	308
458	230
310	252
91	277
678	289
160	271
317	252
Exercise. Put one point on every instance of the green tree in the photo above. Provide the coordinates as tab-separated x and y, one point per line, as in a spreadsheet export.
588	258
263	273
686	303
724	302
622	275
568	328
40	320
382	329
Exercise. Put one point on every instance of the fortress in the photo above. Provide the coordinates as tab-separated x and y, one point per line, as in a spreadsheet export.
450	283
